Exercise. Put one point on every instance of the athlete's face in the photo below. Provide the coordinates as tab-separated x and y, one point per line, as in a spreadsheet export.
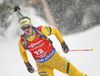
27	29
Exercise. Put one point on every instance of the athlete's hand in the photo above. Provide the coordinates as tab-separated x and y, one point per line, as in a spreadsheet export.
29	67
64	47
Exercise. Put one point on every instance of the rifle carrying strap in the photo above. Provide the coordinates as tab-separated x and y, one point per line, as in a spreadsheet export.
35	29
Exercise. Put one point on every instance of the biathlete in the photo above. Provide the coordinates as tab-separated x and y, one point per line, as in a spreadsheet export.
47	58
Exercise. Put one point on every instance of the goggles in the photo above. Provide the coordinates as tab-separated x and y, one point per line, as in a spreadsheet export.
28	26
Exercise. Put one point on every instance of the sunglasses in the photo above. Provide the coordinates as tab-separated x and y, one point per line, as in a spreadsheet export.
28	26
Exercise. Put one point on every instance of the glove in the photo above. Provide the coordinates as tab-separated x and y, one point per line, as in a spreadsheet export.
64	47
29	67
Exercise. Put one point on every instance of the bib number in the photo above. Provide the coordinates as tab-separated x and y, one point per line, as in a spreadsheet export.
40	51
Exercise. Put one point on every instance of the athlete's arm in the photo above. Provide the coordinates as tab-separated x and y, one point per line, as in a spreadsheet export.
52	31
23	52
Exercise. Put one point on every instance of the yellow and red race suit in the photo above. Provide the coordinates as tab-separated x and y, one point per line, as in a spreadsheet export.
40	48
45	55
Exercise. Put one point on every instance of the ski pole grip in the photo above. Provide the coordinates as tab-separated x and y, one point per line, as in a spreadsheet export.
16	8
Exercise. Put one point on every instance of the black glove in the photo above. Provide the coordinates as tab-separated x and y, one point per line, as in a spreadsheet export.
29	67
64	47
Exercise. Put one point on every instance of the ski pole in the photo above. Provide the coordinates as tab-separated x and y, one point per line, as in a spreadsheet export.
83	50
16	8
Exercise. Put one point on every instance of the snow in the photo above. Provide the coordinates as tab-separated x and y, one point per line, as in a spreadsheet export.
1	1
11	63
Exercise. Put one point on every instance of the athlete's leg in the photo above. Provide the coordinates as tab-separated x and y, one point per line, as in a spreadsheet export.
64	66
67	67
60	64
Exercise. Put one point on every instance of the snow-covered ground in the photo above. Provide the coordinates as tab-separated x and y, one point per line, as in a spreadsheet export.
11	63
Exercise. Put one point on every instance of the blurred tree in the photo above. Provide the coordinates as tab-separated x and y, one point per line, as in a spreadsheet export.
70	14
5	11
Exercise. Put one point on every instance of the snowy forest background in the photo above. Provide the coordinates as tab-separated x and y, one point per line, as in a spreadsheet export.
77	20
71	16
